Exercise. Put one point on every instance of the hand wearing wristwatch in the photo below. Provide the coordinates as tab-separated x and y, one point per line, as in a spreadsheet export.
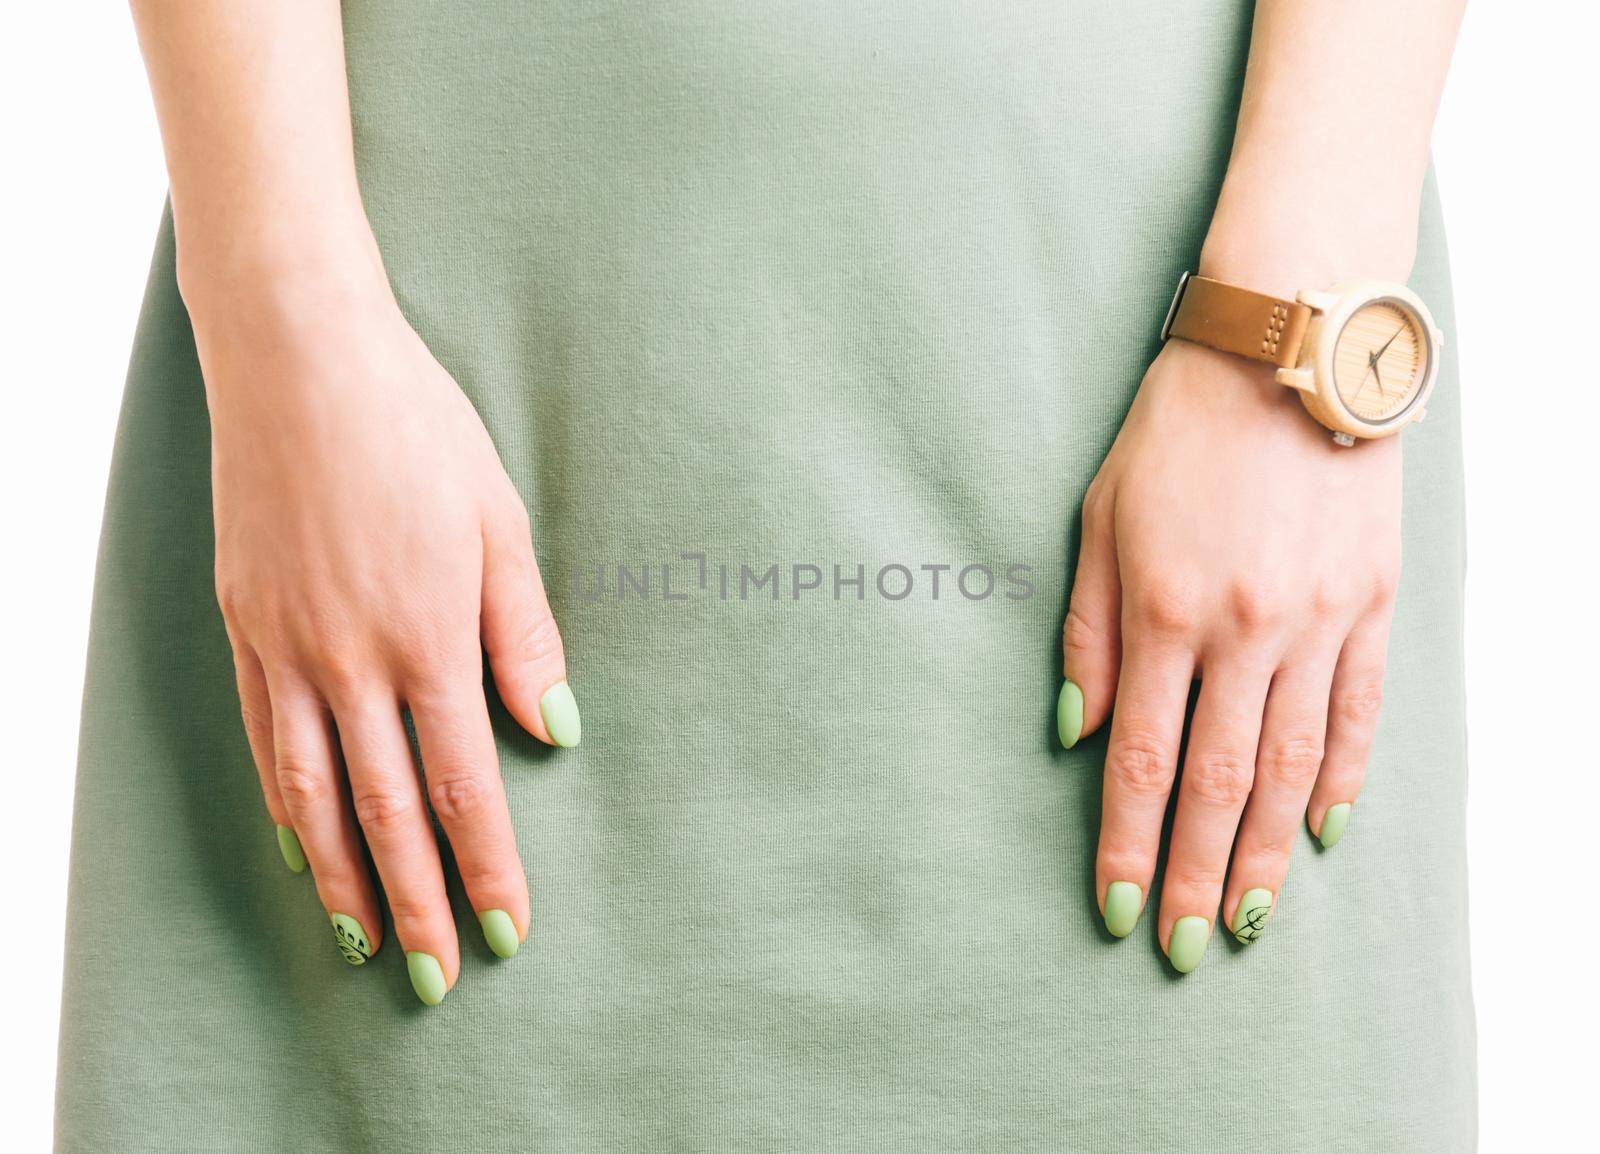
1364	355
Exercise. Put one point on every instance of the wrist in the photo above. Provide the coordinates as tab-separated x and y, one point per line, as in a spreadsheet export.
1279	235
266	318
279	276
1233	401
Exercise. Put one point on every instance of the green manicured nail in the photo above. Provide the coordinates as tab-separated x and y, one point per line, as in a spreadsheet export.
1333	823
499	931
1069	715
1254	912
560	712
1188	943
351	939
427	977
289	846
1122	906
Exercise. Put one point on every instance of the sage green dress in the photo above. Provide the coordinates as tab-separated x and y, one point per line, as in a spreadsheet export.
796	285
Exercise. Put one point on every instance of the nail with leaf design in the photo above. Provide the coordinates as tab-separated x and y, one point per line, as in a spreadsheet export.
351	939
1253	914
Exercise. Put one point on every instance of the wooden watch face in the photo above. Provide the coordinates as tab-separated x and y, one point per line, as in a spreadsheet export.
1380	360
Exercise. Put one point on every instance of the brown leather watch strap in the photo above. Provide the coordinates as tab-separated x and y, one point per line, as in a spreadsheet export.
1237	320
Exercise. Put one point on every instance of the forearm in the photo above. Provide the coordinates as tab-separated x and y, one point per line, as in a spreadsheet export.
1331	148
255	122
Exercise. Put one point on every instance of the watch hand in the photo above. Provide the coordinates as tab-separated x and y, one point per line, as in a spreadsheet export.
1374	357
1372	367
1390	341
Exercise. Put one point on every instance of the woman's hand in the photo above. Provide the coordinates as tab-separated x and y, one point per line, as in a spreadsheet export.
1227	538
369	548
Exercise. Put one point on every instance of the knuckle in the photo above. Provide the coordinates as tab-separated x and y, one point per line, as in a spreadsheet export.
257	716
381	810
409	909
458	795
1192	876
1142	765
1079	634
320	618
1359	704
1328	601
324	636
1166	608
1254	604
340	670
422	635
1096	500
1123	857
428	661
1293	760
337	878
482	876
1385	585
536	640
301	784
1223	778
229	599
517	518
445	694
1275	843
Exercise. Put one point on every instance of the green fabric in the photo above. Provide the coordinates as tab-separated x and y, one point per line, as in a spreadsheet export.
807	285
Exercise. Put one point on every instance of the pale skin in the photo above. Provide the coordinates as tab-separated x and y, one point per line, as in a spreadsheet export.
370	547
1226	539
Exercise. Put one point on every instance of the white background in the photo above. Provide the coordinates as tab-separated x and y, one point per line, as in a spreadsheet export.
81	195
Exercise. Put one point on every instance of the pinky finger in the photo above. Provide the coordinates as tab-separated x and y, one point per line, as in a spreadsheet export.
1353	708
255	705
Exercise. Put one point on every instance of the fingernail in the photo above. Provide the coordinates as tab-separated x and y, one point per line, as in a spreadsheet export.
560	712
1188	943
1122	907
1253	914
427	977
1333	823
499	931
351	939
289	846
1069	714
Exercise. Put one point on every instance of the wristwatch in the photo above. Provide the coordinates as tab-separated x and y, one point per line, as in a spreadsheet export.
1364	355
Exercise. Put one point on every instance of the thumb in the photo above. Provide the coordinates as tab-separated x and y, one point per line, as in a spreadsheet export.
1092	635
520	635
